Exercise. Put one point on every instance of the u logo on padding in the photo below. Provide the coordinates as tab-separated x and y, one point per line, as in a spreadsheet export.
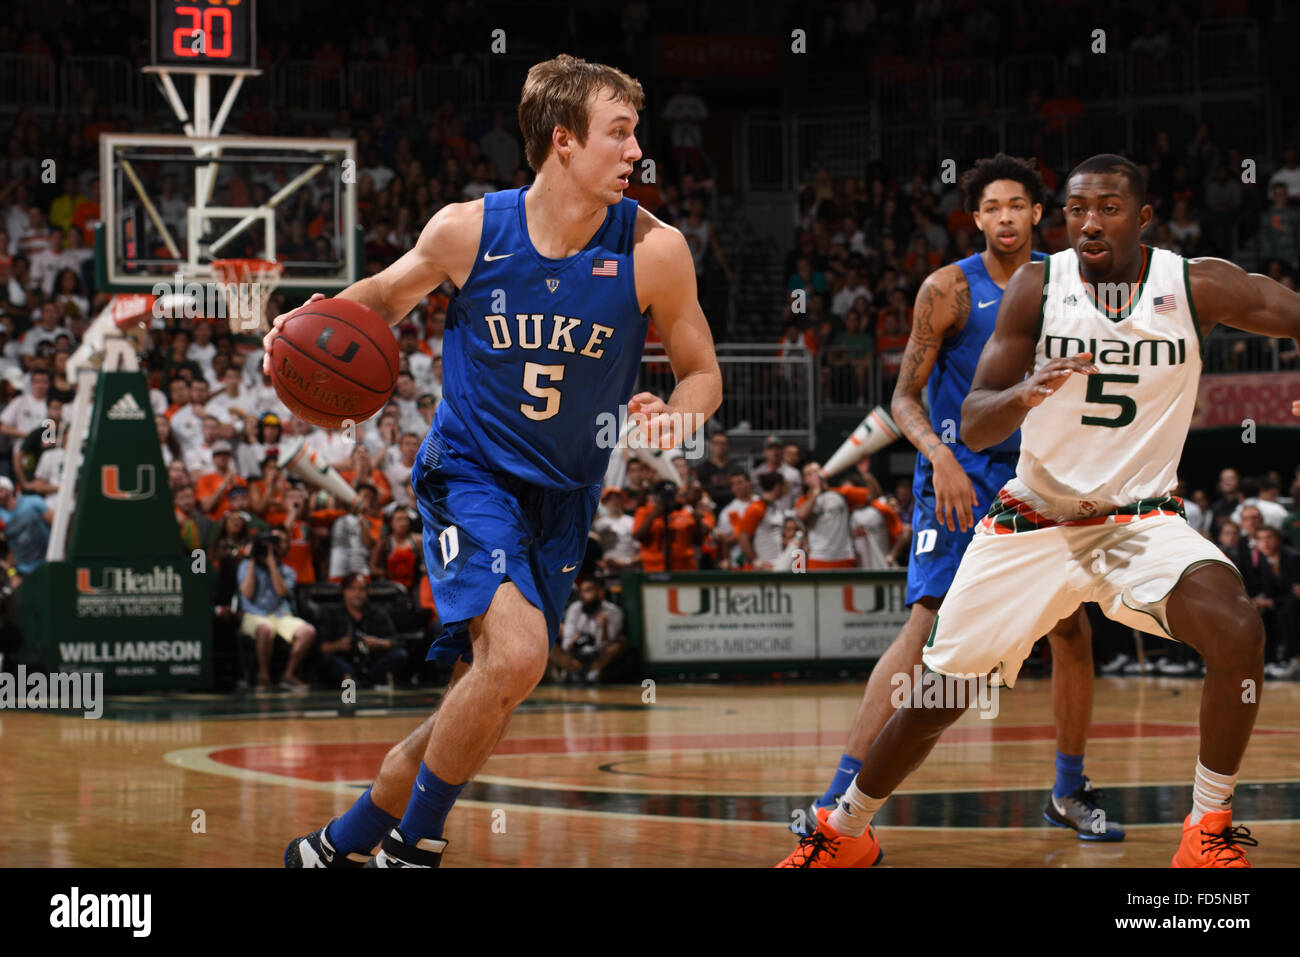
322	342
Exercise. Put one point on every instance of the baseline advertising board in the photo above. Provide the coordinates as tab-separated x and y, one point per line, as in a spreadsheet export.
689	618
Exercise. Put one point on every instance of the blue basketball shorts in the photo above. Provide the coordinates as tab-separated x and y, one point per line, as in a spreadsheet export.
483	528
936	551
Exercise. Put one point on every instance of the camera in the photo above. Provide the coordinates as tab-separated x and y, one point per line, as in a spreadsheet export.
666	493
263	544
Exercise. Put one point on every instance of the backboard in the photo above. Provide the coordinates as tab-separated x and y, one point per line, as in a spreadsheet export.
171	204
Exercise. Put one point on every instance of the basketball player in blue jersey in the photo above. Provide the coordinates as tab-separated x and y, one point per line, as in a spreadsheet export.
542	346
956	308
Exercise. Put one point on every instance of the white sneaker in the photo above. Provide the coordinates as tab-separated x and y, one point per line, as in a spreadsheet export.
1140	668
1115	665
1284	671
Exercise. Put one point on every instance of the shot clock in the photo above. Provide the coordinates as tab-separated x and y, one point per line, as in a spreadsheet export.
203	34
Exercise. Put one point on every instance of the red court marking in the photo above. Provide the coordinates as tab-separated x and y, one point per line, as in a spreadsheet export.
358	761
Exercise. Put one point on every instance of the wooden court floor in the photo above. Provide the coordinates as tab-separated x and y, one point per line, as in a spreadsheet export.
706	775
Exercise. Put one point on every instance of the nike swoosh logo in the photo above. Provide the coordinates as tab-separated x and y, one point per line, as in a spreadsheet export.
420	786
570	568
985	305
488	257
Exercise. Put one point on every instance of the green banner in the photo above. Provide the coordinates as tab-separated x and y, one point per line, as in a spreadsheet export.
145	623
124	505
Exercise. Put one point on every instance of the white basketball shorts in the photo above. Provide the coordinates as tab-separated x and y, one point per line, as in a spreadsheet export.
1012	587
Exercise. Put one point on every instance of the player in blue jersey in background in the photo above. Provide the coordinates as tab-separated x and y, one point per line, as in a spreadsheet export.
956	309
542	347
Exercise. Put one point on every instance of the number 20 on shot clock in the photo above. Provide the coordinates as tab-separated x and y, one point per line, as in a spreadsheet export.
203	34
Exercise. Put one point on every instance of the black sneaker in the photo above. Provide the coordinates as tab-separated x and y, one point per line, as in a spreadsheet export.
1080	812
396	851
315	850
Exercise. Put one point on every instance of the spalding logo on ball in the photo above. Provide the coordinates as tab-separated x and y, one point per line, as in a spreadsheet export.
335	360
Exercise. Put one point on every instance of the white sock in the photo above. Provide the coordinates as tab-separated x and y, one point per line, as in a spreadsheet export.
853	814
1212	792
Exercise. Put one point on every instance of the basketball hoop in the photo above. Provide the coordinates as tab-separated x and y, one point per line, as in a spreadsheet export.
247	285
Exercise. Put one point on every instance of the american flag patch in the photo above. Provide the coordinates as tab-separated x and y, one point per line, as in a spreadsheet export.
604	267
1165	303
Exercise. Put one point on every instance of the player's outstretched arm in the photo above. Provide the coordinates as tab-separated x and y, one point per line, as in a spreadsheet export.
665	282
445	250
942	302
1223	292
1001	395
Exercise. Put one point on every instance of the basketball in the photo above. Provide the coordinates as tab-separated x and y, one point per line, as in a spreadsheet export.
334	361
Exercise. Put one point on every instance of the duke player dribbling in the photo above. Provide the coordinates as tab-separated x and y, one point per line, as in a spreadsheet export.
543	339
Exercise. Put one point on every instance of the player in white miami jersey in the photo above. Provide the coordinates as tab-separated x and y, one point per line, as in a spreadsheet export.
1097	352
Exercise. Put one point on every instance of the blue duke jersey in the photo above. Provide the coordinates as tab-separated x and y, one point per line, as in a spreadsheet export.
936	551
538	355
537	349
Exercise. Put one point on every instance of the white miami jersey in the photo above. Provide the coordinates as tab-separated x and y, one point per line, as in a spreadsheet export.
1110	442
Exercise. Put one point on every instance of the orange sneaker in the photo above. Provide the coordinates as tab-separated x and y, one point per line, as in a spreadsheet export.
1214	842
825	848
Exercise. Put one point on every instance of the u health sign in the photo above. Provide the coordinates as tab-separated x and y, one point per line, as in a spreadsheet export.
719	617
127	601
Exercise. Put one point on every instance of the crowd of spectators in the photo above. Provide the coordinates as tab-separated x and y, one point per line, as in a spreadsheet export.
862	248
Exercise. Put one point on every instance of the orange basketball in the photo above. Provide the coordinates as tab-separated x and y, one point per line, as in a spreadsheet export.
335	360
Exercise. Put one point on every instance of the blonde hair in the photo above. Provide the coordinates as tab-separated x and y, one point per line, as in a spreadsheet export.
556	93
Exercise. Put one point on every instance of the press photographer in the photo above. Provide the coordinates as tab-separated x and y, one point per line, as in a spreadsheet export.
671	528
265	584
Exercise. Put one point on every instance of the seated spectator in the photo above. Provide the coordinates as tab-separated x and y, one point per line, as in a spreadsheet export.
622	552
792	556
774	461
362	471
187	423
1273	581
714	472
47	329
303	535
399	554
427	404
214	489
171	447
26	521
1271	511
1232	544
637	485
263	441
1279	232
742	495
357	641
591	636
28	409
198	455
265	584
398	471
1230	496
267	494
892	340
195	527
38	441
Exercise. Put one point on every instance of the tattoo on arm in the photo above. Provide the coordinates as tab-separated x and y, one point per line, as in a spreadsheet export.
931	319
961	303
